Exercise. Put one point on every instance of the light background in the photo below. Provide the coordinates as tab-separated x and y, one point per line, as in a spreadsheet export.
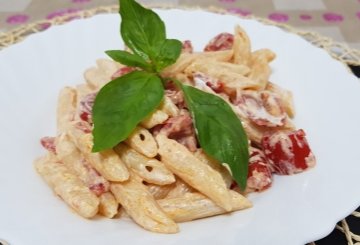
339	19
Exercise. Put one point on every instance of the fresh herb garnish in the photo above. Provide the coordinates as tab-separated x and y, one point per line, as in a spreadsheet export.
124	102
219	131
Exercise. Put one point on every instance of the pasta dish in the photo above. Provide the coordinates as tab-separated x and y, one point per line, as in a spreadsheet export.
160	176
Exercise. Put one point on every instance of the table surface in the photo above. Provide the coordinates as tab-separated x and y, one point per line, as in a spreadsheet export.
339	20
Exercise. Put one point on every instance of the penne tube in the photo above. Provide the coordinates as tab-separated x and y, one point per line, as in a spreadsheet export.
68	154
169	107
193	206
262	54
68	186
179	160
95	78
82	90
231	80
108	205
241	47
216	68
159	191
180	189
157	117
66	108
142	207
108	67
143	142
186	59
216	165
107	162
149	169
286	98
260	72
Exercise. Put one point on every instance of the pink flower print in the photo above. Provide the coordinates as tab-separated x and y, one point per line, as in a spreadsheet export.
358	14
279	17
44	26
80	1
333	17
17	19
239	11
305	17
61	13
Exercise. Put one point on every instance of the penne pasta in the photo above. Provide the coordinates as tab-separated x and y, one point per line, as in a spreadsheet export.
286	98
180	189
169	107
157	117
108	205
66	108
107	162
143	142
108	67
149	169
226	175
68	186
95	78
216	68
241	47
260	71
193	206
142	207
262	54
194	172
68	154
186	59
160	191
159	174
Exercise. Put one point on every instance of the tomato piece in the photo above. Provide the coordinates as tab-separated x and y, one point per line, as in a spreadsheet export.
262	108
85	108
222	41
187	47
288	152
83	126
122	71
49	144
98	188
259	173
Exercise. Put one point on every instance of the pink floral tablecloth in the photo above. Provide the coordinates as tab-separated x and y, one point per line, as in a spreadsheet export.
334	18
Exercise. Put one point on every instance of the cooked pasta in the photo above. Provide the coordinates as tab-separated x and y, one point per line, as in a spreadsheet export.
160	175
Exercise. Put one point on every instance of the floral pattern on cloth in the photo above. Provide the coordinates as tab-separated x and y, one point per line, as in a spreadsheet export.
338	20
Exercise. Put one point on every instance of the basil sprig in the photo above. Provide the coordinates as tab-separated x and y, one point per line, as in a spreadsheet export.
126	101
219	131
122	104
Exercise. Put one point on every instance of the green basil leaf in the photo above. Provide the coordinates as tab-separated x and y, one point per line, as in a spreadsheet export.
169	53
219	131
141	29
122	104
128	59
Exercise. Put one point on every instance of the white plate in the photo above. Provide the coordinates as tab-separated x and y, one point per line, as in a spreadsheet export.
296	210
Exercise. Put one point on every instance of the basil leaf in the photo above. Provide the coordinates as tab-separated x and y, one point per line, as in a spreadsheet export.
169	52
219	131
122	104
128	59
141	29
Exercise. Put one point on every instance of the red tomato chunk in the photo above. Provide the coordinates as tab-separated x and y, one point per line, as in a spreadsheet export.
259	173
223	41
288	152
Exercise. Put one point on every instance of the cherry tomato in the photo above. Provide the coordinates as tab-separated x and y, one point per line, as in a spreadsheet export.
223	41
259	173
288	152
